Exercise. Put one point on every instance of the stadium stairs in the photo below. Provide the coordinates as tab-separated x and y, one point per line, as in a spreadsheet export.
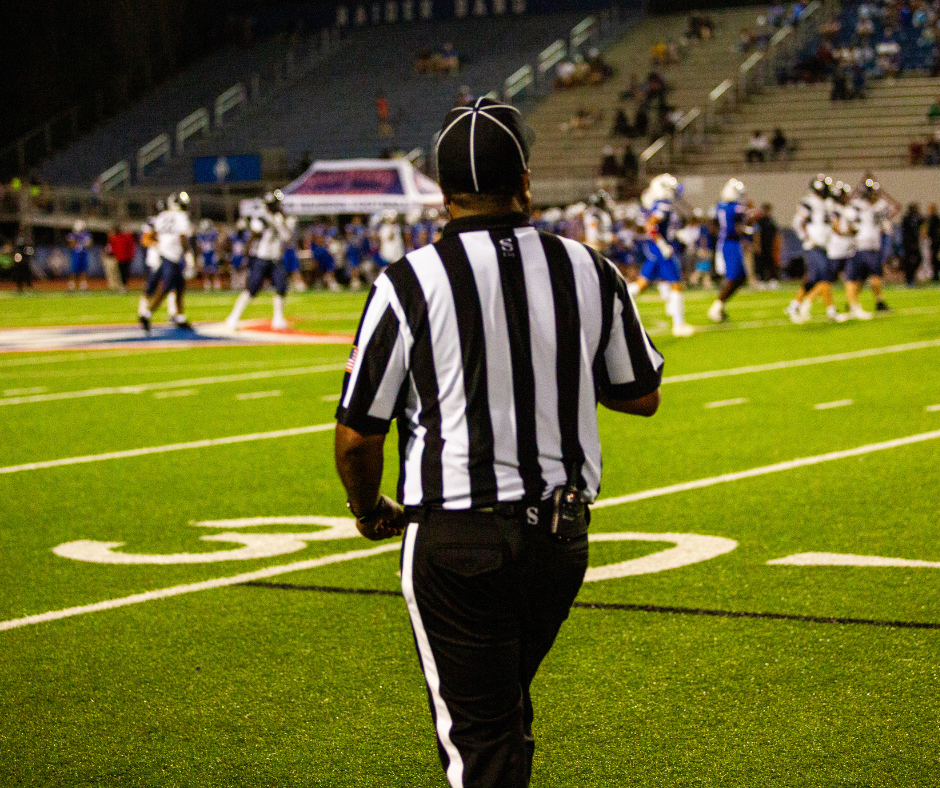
331	112
575	157
869	133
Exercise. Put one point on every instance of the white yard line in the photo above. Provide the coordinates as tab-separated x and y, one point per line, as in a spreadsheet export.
723	403
120	455
20	392
802	362
789	465
273	571
840	403
206	585
932	408
331	398
258	394
171	384
274	373
174	393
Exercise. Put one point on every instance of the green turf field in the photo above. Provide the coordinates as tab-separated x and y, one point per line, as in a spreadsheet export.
142	653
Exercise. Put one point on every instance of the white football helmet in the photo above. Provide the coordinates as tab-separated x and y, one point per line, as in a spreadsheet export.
733	191
205	225
662	187
178	201
78	227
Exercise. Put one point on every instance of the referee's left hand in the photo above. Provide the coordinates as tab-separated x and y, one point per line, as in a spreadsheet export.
388	520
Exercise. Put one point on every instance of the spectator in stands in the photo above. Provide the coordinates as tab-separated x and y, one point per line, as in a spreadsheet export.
383	116
915	152
630	164
700	28
633	88
583	120
564	75
932	150
450	60
865	29
778	145
122	247
746	40
599	70
610	167
840	85
758	147
857	70
641	122
776	15
933	113
465	97
911	227
622	127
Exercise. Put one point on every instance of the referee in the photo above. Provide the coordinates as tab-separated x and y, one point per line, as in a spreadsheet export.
491	348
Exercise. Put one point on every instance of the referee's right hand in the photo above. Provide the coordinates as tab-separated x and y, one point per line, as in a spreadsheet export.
387	520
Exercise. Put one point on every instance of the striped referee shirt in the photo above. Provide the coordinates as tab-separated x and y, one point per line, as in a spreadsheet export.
490	348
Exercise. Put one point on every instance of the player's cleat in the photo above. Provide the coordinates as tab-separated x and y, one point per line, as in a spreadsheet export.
836	317
683	330
793	312
183	325
231	325
804	311
279	325
860	314
881	306
144	322
716	313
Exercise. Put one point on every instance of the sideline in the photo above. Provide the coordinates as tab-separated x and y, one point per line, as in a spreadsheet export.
301	565
120	455
171	384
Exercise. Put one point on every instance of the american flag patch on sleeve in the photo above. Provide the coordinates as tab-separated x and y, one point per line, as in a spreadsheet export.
352	359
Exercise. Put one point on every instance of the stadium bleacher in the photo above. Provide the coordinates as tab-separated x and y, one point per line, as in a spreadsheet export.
82	161
330	113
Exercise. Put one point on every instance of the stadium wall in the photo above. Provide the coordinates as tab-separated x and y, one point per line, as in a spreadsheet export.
784	190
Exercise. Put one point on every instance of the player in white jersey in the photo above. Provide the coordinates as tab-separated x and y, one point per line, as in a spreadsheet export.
270	233
173	233
391	243
811	224
598	226
840	247
873	208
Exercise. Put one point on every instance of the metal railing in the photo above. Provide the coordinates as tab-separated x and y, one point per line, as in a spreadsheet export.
518	82
192	124
750	77
158	148
113	177
225	102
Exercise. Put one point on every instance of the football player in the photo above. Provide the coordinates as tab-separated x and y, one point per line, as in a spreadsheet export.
731	213
173	232
811	224
873	208
207	240
79	241
662	265
270	232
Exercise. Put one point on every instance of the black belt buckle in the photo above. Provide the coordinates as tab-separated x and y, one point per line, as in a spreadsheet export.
569	514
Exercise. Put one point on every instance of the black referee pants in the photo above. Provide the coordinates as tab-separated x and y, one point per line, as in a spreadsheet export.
487	596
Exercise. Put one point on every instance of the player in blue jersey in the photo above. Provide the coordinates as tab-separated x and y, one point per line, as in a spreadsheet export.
79	241
729	256
207	241
239	241
661	262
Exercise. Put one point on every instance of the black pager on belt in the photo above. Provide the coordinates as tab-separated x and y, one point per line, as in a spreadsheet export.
569	517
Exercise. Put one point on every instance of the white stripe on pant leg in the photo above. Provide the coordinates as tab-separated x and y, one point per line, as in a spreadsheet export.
429	666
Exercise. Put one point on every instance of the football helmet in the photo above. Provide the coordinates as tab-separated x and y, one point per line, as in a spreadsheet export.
733	191
178	201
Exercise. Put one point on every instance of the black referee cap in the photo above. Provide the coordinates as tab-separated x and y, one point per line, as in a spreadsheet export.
482	148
